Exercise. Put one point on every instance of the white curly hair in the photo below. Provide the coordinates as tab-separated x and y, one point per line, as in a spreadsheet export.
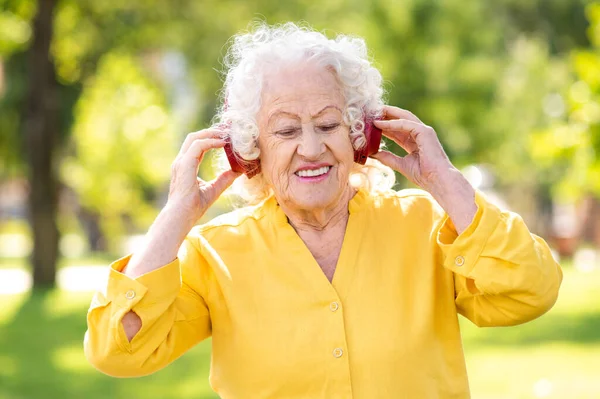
250	58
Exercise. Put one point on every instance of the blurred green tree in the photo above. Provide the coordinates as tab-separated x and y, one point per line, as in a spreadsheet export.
40	131
123	145
484	75
567	150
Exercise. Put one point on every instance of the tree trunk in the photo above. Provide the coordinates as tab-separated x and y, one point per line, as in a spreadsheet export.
90	221
40	128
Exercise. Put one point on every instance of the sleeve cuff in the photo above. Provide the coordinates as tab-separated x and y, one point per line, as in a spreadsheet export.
159	285
461	252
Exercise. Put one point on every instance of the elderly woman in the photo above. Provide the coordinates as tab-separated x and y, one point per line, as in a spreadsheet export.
329	284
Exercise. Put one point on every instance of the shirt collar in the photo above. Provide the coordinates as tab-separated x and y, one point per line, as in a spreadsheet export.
355	204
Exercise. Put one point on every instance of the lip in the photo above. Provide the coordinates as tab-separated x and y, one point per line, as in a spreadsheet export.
312	166
314	179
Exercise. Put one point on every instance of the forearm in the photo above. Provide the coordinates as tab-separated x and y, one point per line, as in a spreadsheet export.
132	324
503	274
513	280
170	326
161	243
457	197
160	247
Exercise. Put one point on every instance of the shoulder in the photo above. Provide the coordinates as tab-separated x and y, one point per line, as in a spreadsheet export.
408	207
407	200
238	222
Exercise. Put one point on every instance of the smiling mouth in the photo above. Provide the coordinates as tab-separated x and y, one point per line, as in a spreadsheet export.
313	172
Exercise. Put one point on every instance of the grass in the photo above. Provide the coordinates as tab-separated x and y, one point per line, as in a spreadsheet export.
41	357
556	356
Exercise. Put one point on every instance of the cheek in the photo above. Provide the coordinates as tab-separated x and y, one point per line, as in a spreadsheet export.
276	158
343	152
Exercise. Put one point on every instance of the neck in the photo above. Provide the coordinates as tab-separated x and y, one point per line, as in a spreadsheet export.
319	219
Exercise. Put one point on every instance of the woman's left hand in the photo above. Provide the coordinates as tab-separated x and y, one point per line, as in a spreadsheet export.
427	164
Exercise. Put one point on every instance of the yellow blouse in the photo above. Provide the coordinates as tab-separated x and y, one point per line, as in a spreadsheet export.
386	327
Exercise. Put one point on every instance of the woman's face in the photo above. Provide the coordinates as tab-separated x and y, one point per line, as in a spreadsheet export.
305	149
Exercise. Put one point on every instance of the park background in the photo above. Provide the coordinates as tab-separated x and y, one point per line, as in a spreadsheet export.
97	96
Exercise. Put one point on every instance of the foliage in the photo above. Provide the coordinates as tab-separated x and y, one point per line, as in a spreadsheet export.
122	144
15	34
483	74
568	149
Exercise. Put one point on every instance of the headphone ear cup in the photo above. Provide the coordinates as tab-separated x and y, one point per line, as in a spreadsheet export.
373	137
232	158
252	168
238	164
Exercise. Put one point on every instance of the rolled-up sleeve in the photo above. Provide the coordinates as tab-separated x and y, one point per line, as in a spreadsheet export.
503	274
170	303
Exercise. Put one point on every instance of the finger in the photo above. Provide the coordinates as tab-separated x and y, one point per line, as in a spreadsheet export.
396	130
201	134
198	148
393	161
391	112
401	137
405	140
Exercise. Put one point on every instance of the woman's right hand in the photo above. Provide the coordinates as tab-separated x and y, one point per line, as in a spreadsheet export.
188	193
189	198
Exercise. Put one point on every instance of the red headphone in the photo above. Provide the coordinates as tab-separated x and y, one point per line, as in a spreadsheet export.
252	168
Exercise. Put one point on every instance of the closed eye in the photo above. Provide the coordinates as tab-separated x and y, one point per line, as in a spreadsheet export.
287	132
329	127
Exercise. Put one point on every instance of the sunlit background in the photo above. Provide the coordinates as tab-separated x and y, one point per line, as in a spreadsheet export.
86	141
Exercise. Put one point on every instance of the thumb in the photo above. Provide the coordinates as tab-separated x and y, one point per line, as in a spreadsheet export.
221	182
395	162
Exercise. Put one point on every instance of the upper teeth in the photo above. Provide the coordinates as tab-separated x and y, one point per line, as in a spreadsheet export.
313	172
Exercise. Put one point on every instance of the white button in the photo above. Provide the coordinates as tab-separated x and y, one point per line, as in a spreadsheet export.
338	352
459	261
130	294
333	306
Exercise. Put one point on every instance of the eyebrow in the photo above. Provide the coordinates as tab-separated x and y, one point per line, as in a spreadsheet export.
321	112
292	115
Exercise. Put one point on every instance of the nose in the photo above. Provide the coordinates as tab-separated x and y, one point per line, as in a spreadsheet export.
311	145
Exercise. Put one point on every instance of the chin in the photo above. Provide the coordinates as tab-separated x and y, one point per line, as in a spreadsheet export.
316	199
